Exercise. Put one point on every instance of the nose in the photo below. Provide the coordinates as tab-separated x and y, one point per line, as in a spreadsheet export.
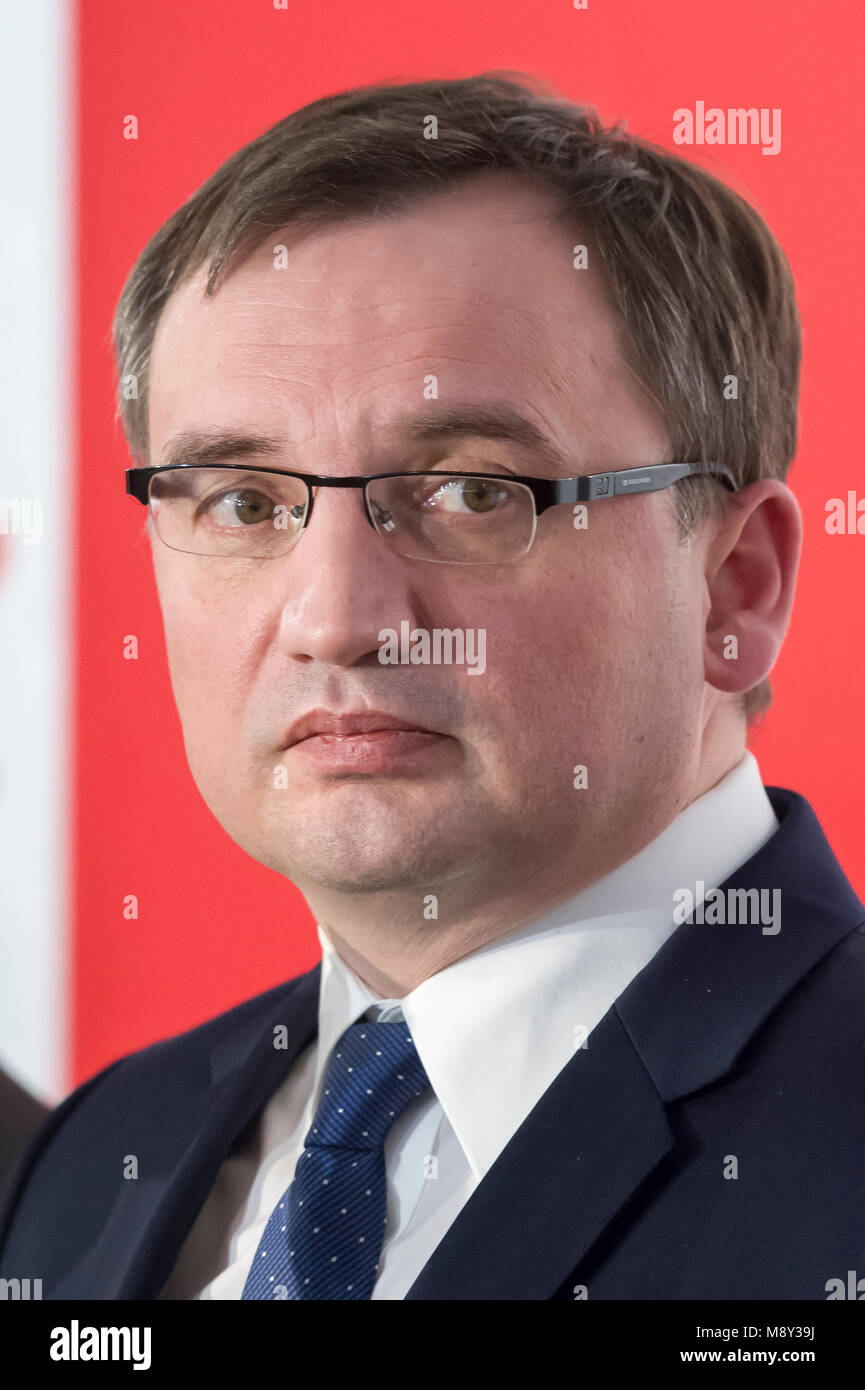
342	584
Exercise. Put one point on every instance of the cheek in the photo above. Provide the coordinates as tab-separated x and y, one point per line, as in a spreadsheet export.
596	630
563	650
210	651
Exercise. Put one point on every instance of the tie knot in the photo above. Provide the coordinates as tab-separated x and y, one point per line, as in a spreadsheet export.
373	1073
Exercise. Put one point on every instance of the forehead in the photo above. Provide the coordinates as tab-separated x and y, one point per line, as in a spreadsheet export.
337	328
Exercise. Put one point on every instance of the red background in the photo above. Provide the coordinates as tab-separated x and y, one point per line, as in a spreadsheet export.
205	76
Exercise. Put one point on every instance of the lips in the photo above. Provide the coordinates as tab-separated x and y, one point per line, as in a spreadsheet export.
344	725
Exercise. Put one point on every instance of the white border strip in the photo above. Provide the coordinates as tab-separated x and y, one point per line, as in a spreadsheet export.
37	404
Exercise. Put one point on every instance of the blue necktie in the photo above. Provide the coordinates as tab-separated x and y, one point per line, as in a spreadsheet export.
324	1236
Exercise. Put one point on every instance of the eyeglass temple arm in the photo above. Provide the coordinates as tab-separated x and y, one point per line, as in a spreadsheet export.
650	479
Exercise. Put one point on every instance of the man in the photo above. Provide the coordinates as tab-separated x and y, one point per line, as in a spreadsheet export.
588	1018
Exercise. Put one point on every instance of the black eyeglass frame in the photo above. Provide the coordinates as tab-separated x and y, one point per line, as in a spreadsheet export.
547	492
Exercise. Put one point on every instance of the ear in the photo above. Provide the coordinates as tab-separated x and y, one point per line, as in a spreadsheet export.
750	571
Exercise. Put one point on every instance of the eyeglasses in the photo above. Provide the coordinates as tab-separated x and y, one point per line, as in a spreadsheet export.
462	518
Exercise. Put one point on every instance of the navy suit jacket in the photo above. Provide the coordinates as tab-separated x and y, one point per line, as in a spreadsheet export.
731	1044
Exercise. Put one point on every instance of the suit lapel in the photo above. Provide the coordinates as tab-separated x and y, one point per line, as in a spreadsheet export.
592	1138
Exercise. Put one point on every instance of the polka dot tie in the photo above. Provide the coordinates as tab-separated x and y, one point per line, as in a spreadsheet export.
324	1237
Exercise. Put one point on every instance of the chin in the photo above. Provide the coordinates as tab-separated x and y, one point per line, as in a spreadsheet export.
364	863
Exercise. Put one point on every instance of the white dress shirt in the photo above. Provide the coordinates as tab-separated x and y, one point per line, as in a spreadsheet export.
493	1031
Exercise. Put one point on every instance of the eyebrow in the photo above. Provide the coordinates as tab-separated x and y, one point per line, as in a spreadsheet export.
482	422
214	446
205	447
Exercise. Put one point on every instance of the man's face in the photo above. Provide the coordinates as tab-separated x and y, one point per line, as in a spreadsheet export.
593	640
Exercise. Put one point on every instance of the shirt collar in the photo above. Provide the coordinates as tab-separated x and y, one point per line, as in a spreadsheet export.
495	1028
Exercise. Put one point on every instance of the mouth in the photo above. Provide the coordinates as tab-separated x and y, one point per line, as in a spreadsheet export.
351	724
368	741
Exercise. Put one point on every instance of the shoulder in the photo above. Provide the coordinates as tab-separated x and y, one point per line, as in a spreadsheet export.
158	1086
832	993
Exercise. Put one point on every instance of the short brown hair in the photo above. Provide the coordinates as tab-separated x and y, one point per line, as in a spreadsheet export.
702	286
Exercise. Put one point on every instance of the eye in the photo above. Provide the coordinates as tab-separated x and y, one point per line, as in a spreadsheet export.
238	506
469	494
